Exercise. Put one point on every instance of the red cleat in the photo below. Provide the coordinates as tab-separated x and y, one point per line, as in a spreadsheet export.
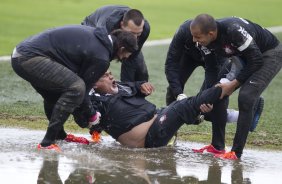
53	147
229	155
96	137
73	138
209	149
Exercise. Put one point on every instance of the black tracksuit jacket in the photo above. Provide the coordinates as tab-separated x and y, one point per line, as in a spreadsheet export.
243	38
182	43
84	50
110	17
124	110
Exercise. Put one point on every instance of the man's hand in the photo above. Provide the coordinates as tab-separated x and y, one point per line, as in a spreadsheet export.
206	108
181	97
95	119
147	88
228	88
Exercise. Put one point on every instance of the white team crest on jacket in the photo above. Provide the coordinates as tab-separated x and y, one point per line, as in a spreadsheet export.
162	119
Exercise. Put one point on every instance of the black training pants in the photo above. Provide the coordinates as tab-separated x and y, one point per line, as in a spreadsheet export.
171	118
250	92
61	89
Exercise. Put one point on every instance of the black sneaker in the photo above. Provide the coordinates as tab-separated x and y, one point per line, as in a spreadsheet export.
257	114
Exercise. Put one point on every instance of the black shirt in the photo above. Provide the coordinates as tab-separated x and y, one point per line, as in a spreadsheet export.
237	36
182	43
110	17
84	50
124	110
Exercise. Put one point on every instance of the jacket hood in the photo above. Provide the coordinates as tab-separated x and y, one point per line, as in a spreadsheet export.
102	34
113	22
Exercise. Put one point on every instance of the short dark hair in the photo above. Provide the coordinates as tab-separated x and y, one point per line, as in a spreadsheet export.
124	39
135	15
205	22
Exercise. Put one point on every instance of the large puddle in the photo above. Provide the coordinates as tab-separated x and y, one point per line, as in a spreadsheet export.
108	162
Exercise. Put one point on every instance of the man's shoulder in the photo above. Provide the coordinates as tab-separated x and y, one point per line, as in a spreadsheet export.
112	8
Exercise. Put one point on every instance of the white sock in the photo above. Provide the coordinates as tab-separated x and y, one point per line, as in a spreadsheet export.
232	116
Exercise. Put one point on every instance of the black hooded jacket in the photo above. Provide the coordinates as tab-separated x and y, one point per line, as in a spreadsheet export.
182	43
110	17
84	50
124	110
237	36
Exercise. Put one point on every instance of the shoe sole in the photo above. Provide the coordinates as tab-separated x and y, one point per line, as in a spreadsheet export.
257	114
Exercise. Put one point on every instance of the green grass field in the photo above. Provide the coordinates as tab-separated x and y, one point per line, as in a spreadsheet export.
21	106
22	18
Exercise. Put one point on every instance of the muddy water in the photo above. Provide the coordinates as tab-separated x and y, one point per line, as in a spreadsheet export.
108	162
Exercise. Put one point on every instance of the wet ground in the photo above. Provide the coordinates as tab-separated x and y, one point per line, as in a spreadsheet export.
108	162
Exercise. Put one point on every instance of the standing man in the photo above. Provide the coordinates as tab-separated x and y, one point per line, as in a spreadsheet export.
258	48
122	17
62	64
183	57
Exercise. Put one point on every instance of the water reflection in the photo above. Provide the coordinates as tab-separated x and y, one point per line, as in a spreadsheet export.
136	166
109	162
49	173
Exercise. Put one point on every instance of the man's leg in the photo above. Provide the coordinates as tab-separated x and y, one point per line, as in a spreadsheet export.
54	77
250	92
219	117
171	118
134	69
187	67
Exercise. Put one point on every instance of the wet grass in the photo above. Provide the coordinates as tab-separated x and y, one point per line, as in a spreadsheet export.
21	106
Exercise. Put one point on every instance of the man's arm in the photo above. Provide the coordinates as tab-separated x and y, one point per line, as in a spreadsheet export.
172	64
212	67
249	50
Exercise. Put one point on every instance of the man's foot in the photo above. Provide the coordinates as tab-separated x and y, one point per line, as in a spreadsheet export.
209	149
257	114
96	136
73	138
228	155
53	147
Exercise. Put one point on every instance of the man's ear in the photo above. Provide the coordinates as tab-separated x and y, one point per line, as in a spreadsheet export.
213	34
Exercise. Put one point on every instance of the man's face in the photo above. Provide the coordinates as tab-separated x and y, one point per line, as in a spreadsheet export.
202	38
106	84
133	28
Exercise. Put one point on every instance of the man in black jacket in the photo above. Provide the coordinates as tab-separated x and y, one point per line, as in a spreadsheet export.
62	64
183	57
257	47
123	17
135	122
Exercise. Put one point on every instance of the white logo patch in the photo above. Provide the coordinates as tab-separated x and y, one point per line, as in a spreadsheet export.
205	50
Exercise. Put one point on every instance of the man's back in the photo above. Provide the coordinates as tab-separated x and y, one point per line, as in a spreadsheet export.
109	16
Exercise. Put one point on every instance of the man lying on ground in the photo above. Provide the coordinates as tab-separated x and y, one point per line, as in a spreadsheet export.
135	122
